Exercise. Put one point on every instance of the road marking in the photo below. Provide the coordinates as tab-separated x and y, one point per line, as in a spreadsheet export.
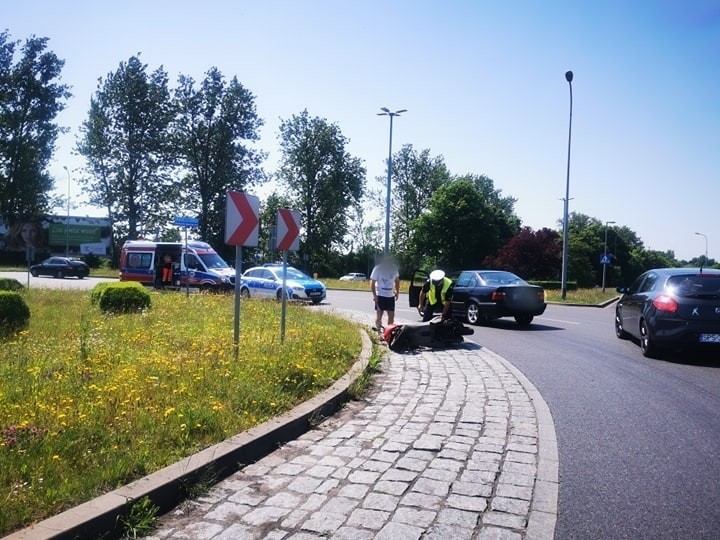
558	320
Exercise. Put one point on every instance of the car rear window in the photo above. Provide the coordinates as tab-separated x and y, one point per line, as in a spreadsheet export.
695	285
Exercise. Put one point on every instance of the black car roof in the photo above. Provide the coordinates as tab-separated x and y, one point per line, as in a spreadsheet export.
684	271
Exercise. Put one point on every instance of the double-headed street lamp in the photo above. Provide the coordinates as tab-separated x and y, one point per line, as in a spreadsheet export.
706	246
67	220
391	114
563	286
605	257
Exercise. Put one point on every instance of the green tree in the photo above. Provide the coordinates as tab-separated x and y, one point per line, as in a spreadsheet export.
467	220
213	132
267	237
31	96
323	182
126	143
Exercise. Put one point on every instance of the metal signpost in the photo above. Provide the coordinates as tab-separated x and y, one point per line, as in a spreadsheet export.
241	229
288	235
192	223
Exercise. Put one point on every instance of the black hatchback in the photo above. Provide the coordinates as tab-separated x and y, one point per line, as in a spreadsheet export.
483	295
61	267
670	308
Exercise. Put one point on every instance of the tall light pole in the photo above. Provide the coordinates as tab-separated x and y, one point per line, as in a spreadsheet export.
563	286
605	258
391	114
67	220
706	246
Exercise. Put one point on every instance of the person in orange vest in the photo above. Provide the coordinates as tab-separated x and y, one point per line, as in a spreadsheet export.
167	270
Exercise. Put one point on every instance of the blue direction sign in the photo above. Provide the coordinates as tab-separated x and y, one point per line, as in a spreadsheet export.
181	221
605	259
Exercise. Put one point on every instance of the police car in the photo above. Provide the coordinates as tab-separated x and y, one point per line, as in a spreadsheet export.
266	282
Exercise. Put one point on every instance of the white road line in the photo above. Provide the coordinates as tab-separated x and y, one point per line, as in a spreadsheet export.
557	320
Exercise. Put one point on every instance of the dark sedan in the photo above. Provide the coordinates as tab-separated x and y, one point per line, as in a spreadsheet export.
670	308
61	267
483	295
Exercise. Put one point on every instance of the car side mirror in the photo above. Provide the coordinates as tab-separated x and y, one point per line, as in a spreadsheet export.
622	290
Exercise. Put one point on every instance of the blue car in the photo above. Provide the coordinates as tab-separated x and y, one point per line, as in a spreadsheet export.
266	282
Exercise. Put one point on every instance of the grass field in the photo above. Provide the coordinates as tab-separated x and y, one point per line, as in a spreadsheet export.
582	296
94	272
89	402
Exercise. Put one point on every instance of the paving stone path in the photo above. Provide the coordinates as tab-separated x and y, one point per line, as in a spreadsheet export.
448	444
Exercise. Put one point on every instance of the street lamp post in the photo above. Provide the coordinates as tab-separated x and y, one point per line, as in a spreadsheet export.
568	78
605	258
67	219
391	114
706	246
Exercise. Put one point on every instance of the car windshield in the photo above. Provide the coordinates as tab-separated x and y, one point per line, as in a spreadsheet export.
213	260
500	278
695	285
292	273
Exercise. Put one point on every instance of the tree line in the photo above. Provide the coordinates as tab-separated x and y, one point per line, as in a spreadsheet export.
154	150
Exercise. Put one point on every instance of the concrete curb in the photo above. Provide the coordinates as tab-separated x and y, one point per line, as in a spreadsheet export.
544	505
167	486
604	304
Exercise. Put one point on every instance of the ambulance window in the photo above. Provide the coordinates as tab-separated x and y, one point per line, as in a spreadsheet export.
191	261
139	260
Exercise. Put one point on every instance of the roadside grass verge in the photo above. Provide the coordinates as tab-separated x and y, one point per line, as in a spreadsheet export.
102	272
90	402
582	296
358	285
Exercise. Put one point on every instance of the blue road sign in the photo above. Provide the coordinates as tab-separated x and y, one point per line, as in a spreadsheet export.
605	259
181	221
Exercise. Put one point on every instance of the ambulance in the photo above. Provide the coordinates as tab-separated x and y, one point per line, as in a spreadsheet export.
172	265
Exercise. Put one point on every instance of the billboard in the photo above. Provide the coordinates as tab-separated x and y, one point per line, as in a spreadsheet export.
50	234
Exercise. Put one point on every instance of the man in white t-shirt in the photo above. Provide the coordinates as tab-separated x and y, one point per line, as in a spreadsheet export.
385	288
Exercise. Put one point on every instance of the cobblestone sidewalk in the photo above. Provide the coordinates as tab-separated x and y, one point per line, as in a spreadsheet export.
452	444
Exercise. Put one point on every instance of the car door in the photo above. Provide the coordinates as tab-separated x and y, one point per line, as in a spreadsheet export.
461	291
631	305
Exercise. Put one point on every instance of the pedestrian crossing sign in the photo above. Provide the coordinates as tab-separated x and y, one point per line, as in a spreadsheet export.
605	259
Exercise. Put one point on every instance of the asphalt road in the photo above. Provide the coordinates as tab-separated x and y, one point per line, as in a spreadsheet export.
639	439
53	283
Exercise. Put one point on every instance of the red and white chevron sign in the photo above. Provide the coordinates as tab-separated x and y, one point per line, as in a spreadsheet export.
288	230
241	219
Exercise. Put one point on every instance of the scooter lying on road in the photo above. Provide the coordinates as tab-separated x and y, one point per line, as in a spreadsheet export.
434	334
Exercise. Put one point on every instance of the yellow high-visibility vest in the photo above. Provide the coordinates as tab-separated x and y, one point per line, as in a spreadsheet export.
447	282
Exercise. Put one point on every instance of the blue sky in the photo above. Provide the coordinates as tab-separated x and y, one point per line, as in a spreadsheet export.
483	82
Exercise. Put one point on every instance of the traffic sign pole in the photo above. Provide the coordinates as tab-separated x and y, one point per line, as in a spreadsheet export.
236	327
283	309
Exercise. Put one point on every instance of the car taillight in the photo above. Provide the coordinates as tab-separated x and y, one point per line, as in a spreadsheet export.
665	303
541	296
497	296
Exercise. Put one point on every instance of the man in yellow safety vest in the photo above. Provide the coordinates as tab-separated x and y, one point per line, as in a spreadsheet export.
436	296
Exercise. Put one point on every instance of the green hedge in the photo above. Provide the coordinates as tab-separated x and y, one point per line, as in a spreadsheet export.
124	297
14	313
555	285
10	284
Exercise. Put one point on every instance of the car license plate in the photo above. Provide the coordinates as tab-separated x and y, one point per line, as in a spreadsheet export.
314	293
709	338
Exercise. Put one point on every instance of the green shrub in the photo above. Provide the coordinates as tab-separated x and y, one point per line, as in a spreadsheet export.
14	313
555	285
92	260
9	284
124	298
97	291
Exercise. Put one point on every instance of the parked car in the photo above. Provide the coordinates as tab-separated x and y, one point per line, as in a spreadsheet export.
61	267
266	282
354	276
483	295
670	308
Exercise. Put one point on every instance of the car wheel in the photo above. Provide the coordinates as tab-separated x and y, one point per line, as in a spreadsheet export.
524	320
619	330
279	295
316	301
59	274
33	273
244	293
472	313
647	346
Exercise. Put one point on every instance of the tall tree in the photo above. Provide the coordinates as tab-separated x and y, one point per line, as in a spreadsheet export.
322	180
215	127
415	177
126	143
31	96
468	219
531	254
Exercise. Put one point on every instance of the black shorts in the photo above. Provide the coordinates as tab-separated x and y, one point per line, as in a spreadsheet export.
385	303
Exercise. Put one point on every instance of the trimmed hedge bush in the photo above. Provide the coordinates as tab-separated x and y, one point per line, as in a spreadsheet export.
124	297
10	284
97	291
555	285
14	313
